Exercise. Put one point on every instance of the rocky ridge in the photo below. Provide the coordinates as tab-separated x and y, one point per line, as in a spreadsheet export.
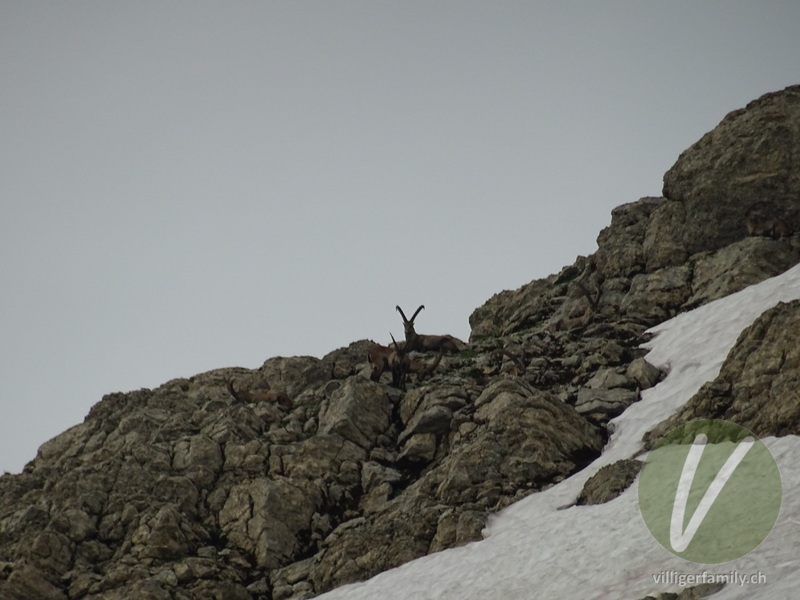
181	492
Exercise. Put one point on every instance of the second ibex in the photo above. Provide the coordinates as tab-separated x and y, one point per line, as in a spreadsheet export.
392	358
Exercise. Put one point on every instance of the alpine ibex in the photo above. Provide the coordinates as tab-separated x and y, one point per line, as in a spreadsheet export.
520	360
378	357
422	369
398	364
247	396
570	324
774	228
426	343
389	358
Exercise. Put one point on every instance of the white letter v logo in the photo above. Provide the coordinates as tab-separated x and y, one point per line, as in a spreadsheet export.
679	538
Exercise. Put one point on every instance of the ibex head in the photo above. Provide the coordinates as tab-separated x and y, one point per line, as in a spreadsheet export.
408	324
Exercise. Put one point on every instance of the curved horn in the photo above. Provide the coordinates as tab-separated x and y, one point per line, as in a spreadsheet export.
414	316
402	314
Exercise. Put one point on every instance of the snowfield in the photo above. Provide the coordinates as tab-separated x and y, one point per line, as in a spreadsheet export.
533	549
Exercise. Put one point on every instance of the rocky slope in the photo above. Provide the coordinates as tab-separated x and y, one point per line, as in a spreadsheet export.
183	492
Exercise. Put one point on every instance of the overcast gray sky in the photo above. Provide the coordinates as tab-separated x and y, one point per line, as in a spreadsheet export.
192	185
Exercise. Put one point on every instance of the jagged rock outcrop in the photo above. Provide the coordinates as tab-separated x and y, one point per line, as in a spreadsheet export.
758	383
594	286
748	161
183	492
660	256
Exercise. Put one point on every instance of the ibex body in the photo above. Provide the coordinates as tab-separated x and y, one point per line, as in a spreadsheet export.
426	343
247	396
422	369
378	356
569	324
519	360
774	228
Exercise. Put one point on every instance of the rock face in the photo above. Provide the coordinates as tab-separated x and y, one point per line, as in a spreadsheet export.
758	384
749	161
183	492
